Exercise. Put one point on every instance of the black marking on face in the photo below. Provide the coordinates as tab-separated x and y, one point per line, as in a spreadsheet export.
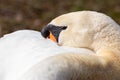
55	30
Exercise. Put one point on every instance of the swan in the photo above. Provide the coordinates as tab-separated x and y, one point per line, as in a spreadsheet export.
83	29
84	45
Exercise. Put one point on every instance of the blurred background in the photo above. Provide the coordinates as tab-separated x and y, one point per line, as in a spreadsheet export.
35	14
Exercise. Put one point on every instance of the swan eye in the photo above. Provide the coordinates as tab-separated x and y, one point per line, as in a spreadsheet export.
64	27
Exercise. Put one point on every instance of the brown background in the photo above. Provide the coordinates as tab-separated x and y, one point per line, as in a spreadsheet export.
35	14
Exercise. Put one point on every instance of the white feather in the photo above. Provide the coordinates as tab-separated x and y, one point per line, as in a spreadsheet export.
21	50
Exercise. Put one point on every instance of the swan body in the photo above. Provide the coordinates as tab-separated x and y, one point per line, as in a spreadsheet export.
21	50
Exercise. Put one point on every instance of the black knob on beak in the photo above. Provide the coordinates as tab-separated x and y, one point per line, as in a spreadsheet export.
45	32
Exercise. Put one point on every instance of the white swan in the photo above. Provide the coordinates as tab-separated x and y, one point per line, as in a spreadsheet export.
87	29
25	55
21	50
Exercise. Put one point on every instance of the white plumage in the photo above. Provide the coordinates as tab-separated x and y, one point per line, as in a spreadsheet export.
21	50
26	55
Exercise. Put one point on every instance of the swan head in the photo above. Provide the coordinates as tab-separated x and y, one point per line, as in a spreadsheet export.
85	29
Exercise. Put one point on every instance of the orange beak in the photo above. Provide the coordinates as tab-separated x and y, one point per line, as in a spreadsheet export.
52	37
